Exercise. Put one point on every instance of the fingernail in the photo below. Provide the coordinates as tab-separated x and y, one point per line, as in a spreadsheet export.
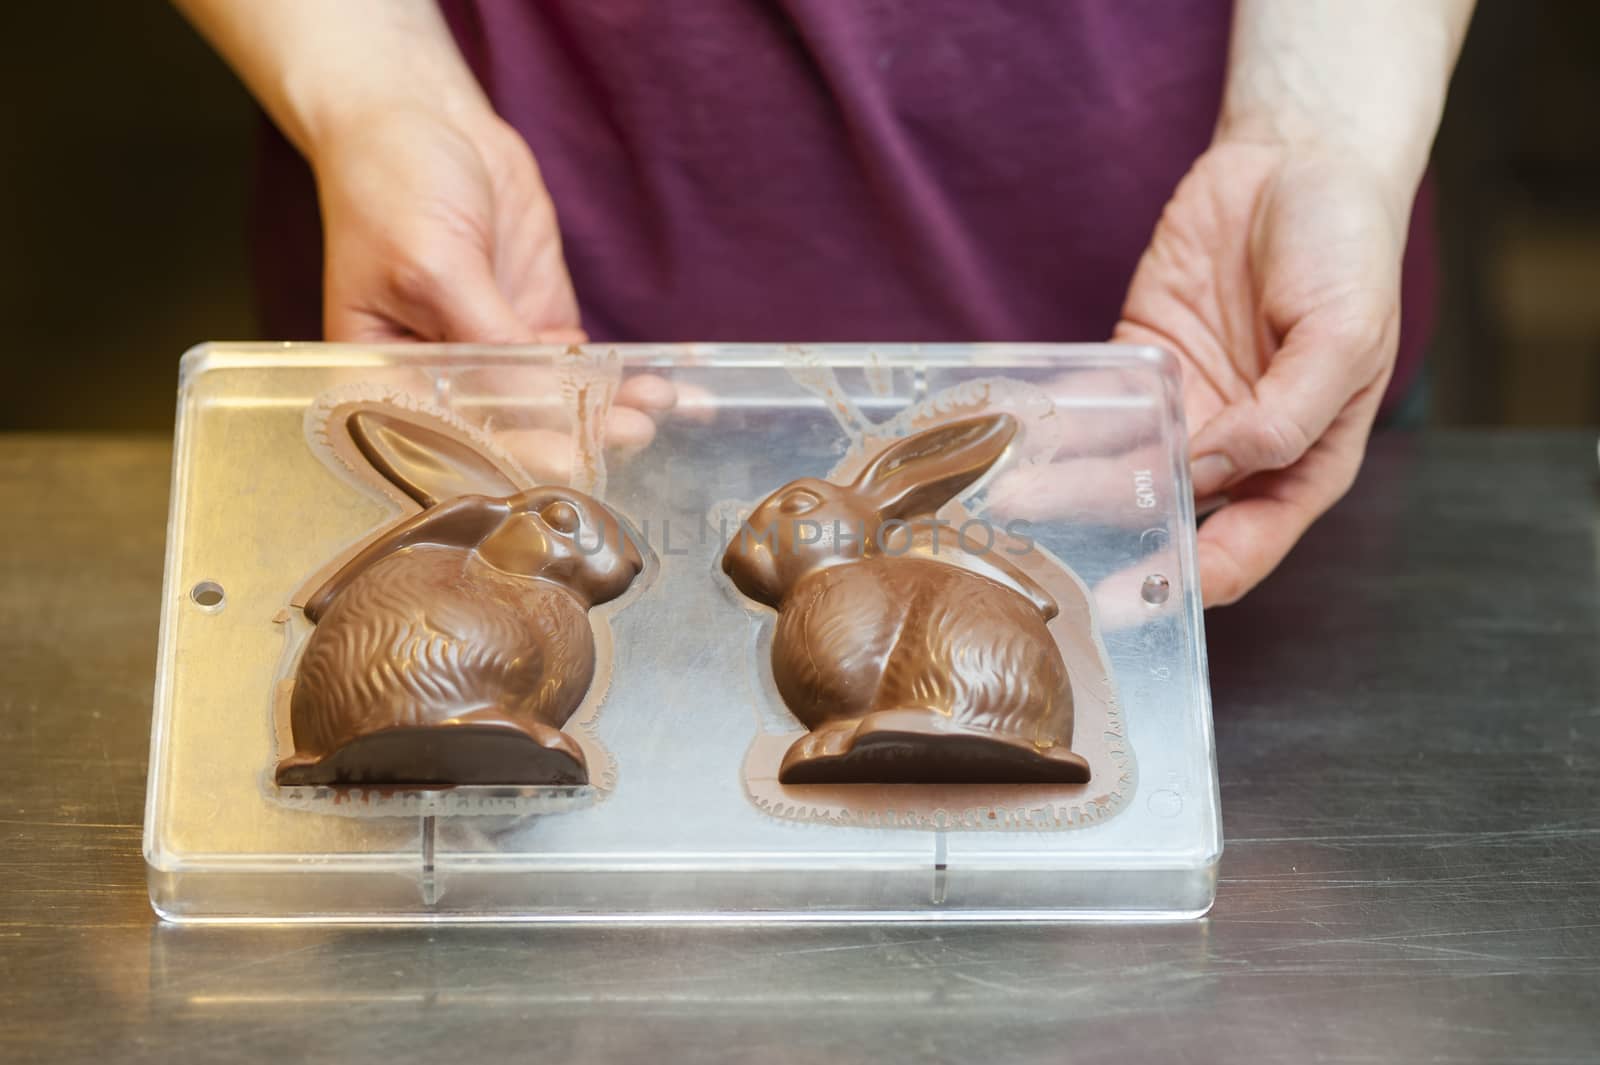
1210	472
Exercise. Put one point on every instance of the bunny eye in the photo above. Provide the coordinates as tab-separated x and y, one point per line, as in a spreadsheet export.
799	501
561	516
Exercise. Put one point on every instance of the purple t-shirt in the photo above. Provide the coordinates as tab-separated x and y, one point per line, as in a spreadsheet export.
815	170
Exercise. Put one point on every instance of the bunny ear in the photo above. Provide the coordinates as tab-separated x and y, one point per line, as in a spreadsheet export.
921	473
422	462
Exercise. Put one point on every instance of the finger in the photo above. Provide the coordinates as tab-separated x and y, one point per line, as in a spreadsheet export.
533	400
1091	489
1325	360
650	393
696	403
533	395
1204	393
625	428
628	430
512	397
1090	411
1250	535
1090	414
451	298
1243	542
470	309
544	454
1246	539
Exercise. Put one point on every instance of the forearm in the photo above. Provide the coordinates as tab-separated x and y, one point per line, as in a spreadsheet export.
316	66
1363	77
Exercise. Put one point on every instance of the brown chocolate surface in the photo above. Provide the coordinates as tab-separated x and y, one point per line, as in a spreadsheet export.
451	647
906	666
1099	730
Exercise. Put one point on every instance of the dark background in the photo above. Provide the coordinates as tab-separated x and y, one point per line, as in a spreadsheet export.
127	175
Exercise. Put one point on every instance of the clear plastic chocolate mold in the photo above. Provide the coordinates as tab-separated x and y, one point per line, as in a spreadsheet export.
650	786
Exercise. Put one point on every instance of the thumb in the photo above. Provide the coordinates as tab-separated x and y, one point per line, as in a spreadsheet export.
1311	379
470	308
452	299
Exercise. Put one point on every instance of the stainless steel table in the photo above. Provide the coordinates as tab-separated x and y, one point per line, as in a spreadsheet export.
1408	723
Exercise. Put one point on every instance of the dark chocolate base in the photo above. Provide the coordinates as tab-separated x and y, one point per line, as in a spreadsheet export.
904	747
444	756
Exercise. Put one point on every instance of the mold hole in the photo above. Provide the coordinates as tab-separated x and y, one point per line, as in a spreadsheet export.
1156	589
207	594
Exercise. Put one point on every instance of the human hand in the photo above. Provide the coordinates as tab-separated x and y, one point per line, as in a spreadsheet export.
438	227
1274	276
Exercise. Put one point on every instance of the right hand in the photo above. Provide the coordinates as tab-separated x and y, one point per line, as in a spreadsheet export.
439	227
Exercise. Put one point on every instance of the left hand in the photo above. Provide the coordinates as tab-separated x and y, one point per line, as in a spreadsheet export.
1274	276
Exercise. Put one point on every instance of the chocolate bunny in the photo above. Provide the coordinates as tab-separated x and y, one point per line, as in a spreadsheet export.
452	648
909	660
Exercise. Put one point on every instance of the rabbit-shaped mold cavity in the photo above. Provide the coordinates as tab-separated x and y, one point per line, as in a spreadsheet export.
909	659
450	647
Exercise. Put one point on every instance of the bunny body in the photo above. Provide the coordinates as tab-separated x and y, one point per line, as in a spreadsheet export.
434	637
934	637
452	648
906	667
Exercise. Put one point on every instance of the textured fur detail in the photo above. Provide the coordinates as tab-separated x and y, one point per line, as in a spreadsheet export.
429	633
951	641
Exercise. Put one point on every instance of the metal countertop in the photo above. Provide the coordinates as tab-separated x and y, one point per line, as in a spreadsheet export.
1408	729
